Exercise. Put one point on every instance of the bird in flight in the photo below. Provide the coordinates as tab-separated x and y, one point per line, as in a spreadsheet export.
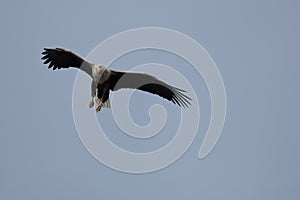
105	80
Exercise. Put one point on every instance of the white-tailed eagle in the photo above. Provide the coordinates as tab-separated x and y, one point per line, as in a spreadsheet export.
105	79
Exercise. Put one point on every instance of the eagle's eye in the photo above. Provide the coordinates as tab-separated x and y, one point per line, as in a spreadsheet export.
98	68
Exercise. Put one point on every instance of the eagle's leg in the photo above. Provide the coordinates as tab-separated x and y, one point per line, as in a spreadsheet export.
102	94
99	106
93	94
91	103
97	100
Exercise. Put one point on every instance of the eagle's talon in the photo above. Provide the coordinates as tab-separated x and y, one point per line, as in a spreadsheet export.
99	106
91	104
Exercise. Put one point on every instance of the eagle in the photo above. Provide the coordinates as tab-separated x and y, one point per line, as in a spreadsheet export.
105	80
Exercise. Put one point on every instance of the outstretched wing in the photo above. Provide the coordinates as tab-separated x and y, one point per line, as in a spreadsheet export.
61	58
148	83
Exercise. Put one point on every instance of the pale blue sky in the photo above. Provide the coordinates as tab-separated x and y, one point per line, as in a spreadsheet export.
255	45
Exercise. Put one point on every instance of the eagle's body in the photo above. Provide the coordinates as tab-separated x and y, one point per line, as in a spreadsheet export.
105	80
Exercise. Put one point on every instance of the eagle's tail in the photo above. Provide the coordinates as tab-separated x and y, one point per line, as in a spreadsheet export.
106	103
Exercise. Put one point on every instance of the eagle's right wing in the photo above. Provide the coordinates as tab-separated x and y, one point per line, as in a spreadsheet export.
61	58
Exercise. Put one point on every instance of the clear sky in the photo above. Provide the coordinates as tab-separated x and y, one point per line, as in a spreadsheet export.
255	44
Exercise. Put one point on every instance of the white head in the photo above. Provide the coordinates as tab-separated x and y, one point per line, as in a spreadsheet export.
99	68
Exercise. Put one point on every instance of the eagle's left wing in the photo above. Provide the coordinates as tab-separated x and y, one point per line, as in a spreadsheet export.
148	83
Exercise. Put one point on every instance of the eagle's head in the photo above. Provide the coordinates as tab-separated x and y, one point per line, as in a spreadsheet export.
99	68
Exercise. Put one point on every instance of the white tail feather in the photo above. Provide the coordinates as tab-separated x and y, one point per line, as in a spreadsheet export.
106	104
